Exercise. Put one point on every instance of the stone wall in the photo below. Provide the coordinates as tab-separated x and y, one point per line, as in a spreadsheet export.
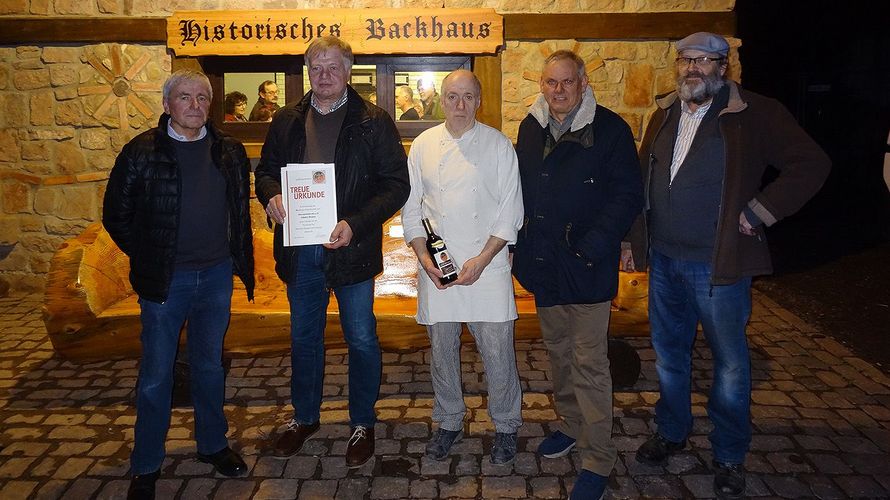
65	114
625	76
66	111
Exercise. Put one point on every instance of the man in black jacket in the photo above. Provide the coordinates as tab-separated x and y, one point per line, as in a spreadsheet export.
333	124
581	188
177	203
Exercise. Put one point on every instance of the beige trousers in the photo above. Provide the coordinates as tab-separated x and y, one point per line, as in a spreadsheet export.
576	336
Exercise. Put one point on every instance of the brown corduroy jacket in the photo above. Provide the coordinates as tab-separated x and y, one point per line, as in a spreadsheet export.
757	132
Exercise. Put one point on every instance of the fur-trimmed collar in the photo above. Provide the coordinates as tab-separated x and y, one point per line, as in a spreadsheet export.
541	111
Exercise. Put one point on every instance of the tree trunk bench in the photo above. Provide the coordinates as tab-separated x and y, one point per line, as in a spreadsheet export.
91	312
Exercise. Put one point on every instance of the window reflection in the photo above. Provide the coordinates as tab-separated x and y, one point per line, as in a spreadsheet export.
363	79
253	96
417	95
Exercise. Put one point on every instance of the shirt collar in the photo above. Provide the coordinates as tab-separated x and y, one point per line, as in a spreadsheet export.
181	138
702	109
337	105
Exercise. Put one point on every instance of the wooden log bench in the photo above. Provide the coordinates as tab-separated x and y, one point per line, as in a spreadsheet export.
91	312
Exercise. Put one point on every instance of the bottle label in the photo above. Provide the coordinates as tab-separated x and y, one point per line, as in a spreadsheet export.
444	262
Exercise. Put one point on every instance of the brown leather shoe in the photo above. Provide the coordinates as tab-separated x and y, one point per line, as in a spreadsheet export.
360	447
290	443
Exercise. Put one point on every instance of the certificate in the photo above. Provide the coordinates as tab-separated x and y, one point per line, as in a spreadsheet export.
309	196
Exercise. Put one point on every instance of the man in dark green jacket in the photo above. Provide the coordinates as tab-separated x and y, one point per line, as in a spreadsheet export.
581	189
703	157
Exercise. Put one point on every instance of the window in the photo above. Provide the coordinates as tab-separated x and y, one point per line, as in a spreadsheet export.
388	81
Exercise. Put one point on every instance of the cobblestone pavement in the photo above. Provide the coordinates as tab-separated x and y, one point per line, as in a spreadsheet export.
821	423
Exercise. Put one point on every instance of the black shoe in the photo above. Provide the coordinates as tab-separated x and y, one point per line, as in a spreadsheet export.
226	462
729	481
657	449
291	441
441	442
142	486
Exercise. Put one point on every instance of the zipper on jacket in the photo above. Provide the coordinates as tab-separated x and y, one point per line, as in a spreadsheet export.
568	230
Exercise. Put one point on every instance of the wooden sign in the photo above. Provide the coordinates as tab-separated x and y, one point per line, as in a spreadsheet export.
368	31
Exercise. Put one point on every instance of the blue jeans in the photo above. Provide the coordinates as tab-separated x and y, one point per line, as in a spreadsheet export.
681	296
308	297
204	298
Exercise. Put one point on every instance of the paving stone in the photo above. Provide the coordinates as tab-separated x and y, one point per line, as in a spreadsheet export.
788	462
463	487
15	467
860	487
234	489
390	487
301	467
828	464
787	487
353	488
500	487
16	490
278	489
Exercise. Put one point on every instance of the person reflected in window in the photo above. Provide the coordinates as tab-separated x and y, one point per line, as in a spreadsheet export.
405	103
235	106
264	115
268	98
432	108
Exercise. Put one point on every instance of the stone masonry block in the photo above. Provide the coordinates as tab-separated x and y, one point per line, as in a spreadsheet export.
638	85
69	158
30	79
42	108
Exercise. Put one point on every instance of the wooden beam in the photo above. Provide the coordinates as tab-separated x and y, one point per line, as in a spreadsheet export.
30	30
609	26
488	70
617	26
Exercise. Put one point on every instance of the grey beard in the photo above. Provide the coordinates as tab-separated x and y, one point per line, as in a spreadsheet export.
700	92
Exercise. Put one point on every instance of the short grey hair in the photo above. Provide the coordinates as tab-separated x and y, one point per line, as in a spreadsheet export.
406	90
186	75
321	45
560	55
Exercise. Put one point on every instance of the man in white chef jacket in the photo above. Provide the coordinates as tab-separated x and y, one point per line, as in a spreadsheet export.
465	179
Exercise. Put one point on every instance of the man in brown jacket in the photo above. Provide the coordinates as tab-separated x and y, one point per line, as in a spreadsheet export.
703	158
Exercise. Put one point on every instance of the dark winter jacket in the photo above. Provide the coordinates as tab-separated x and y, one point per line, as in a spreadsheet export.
142	203
580	201
371	171
757	132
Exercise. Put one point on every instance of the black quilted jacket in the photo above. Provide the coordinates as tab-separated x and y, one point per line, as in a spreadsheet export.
142	202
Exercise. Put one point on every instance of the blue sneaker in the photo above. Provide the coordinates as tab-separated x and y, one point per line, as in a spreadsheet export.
556	445
589	486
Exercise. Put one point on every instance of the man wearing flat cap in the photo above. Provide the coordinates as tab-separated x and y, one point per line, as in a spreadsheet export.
703	156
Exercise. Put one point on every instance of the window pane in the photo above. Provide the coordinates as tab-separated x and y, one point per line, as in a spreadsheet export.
417	95
363	80
246	87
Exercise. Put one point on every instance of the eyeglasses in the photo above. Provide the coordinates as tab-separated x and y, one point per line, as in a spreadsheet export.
568	83
698	61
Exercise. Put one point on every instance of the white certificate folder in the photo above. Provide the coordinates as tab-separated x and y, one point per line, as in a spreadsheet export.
309	195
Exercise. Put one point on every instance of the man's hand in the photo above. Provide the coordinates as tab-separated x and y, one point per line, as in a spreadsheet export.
432	271
275	209
744	226
471	270
626	261
340	236
426	262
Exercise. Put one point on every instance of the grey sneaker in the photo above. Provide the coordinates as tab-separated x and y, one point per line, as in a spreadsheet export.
440	443
503	451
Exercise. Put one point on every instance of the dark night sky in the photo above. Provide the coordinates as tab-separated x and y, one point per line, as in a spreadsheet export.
829	63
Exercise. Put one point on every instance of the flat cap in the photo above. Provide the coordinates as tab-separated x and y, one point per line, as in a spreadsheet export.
705	42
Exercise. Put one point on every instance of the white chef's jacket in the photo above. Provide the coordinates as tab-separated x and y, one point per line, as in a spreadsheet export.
469	189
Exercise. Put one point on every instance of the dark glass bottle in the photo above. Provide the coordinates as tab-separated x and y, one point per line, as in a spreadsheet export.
436	246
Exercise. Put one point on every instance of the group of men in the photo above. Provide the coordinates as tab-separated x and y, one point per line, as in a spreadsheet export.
556	211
